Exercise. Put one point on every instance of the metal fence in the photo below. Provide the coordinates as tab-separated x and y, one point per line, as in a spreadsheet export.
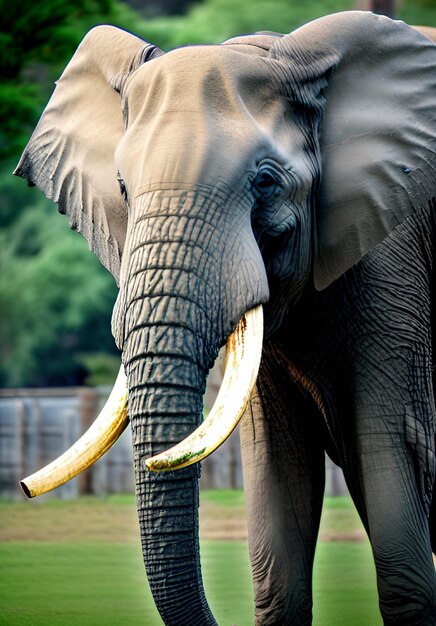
37	425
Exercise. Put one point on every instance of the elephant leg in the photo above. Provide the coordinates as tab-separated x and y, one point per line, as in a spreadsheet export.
283	460
389	467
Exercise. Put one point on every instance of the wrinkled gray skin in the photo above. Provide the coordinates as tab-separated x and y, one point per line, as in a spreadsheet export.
294	171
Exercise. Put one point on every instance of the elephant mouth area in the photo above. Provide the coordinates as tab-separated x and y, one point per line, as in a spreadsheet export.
244	349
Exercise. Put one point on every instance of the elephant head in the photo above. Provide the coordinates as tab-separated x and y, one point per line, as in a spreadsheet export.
211	180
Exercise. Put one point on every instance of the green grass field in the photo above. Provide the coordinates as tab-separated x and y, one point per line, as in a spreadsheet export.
89	580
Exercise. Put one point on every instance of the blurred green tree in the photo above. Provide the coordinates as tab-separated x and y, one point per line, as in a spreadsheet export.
55	297
55	302
37	38
422	12
213	21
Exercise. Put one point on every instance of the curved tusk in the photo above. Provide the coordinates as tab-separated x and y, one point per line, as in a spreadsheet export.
244	349
97	440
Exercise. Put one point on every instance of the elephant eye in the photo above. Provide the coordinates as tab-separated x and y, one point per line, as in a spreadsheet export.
266	184
266	181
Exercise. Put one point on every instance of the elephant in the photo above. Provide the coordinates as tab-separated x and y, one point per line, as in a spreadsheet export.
290	176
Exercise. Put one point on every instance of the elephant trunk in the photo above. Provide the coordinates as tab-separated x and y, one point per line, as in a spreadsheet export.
167	342
167	504
162	410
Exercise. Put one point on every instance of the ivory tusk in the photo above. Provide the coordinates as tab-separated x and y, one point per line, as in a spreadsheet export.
97	440
244	349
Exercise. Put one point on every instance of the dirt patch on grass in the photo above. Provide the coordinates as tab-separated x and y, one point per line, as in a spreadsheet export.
98	520
74	521
223	523
357	535
93	519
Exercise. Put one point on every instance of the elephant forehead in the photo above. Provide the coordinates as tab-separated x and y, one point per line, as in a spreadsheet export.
232	95
201	78
188	109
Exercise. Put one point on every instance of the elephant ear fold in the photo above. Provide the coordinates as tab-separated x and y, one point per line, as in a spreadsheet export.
377	131
262	39
70	155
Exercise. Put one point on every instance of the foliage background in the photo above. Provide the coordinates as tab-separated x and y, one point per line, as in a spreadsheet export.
55	298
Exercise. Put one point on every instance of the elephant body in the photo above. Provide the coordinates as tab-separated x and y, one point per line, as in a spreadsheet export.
363	391
295	172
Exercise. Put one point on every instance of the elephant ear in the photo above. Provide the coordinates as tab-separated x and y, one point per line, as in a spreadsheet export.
370	84
70	155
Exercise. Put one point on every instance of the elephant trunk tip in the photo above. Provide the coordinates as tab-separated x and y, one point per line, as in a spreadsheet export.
25	489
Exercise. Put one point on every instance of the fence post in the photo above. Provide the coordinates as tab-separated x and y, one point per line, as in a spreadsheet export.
88	409
11	453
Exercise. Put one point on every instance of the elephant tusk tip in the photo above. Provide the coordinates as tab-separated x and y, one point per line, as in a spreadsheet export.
99	437
25	489
152	465
164	463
